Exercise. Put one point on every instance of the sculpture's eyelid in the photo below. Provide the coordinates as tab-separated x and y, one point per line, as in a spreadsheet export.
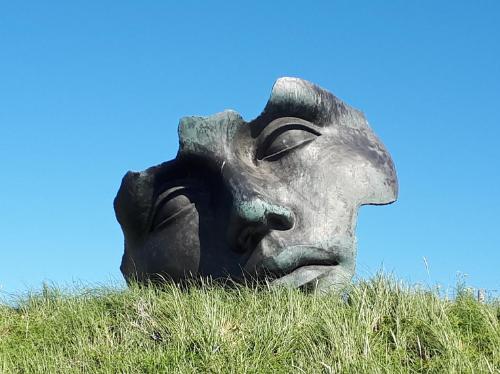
286	123
278	128
292	126
163	200
168	194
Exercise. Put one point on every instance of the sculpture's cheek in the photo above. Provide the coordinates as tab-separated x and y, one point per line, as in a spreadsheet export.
172	251
318	187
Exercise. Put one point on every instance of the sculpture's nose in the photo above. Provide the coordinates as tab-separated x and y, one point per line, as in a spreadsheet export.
253	218
257	211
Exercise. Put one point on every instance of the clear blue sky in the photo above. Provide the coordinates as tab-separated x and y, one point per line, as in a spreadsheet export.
91	89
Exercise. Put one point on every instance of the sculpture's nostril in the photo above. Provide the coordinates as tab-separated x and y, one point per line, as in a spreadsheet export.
249	238
253	219
279	222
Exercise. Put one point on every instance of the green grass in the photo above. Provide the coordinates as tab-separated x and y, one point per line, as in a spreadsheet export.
382	326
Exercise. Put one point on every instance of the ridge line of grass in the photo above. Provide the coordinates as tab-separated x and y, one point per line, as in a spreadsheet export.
379	325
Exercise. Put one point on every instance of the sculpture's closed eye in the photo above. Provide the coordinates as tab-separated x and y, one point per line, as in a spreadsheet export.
285	139
169	205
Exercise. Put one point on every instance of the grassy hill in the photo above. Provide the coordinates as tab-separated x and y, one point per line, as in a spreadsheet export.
381	326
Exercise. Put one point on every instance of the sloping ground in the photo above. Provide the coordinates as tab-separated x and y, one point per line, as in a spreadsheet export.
380	327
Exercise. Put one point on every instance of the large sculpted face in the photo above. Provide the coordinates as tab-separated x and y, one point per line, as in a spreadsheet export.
275	198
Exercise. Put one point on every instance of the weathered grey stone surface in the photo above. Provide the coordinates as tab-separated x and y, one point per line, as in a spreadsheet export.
274	198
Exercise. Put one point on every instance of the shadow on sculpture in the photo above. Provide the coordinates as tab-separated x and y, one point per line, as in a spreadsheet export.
274	198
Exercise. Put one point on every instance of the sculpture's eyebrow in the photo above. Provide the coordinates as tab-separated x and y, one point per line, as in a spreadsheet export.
292	97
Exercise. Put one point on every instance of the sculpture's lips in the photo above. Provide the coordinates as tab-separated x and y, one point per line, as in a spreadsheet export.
306	263
303	262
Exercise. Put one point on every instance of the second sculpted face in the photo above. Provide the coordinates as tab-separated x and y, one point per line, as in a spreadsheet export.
274	198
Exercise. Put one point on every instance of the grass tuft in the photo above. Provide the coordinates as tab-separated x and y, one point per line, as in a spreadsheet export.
379	325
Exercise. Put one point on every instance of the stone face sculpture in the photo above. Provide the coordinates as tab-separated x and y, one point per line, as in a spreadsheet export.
274	198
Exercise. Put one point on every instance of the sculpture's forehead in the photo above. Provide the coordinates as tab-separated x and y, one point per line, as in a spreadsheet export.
209	135
290	97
